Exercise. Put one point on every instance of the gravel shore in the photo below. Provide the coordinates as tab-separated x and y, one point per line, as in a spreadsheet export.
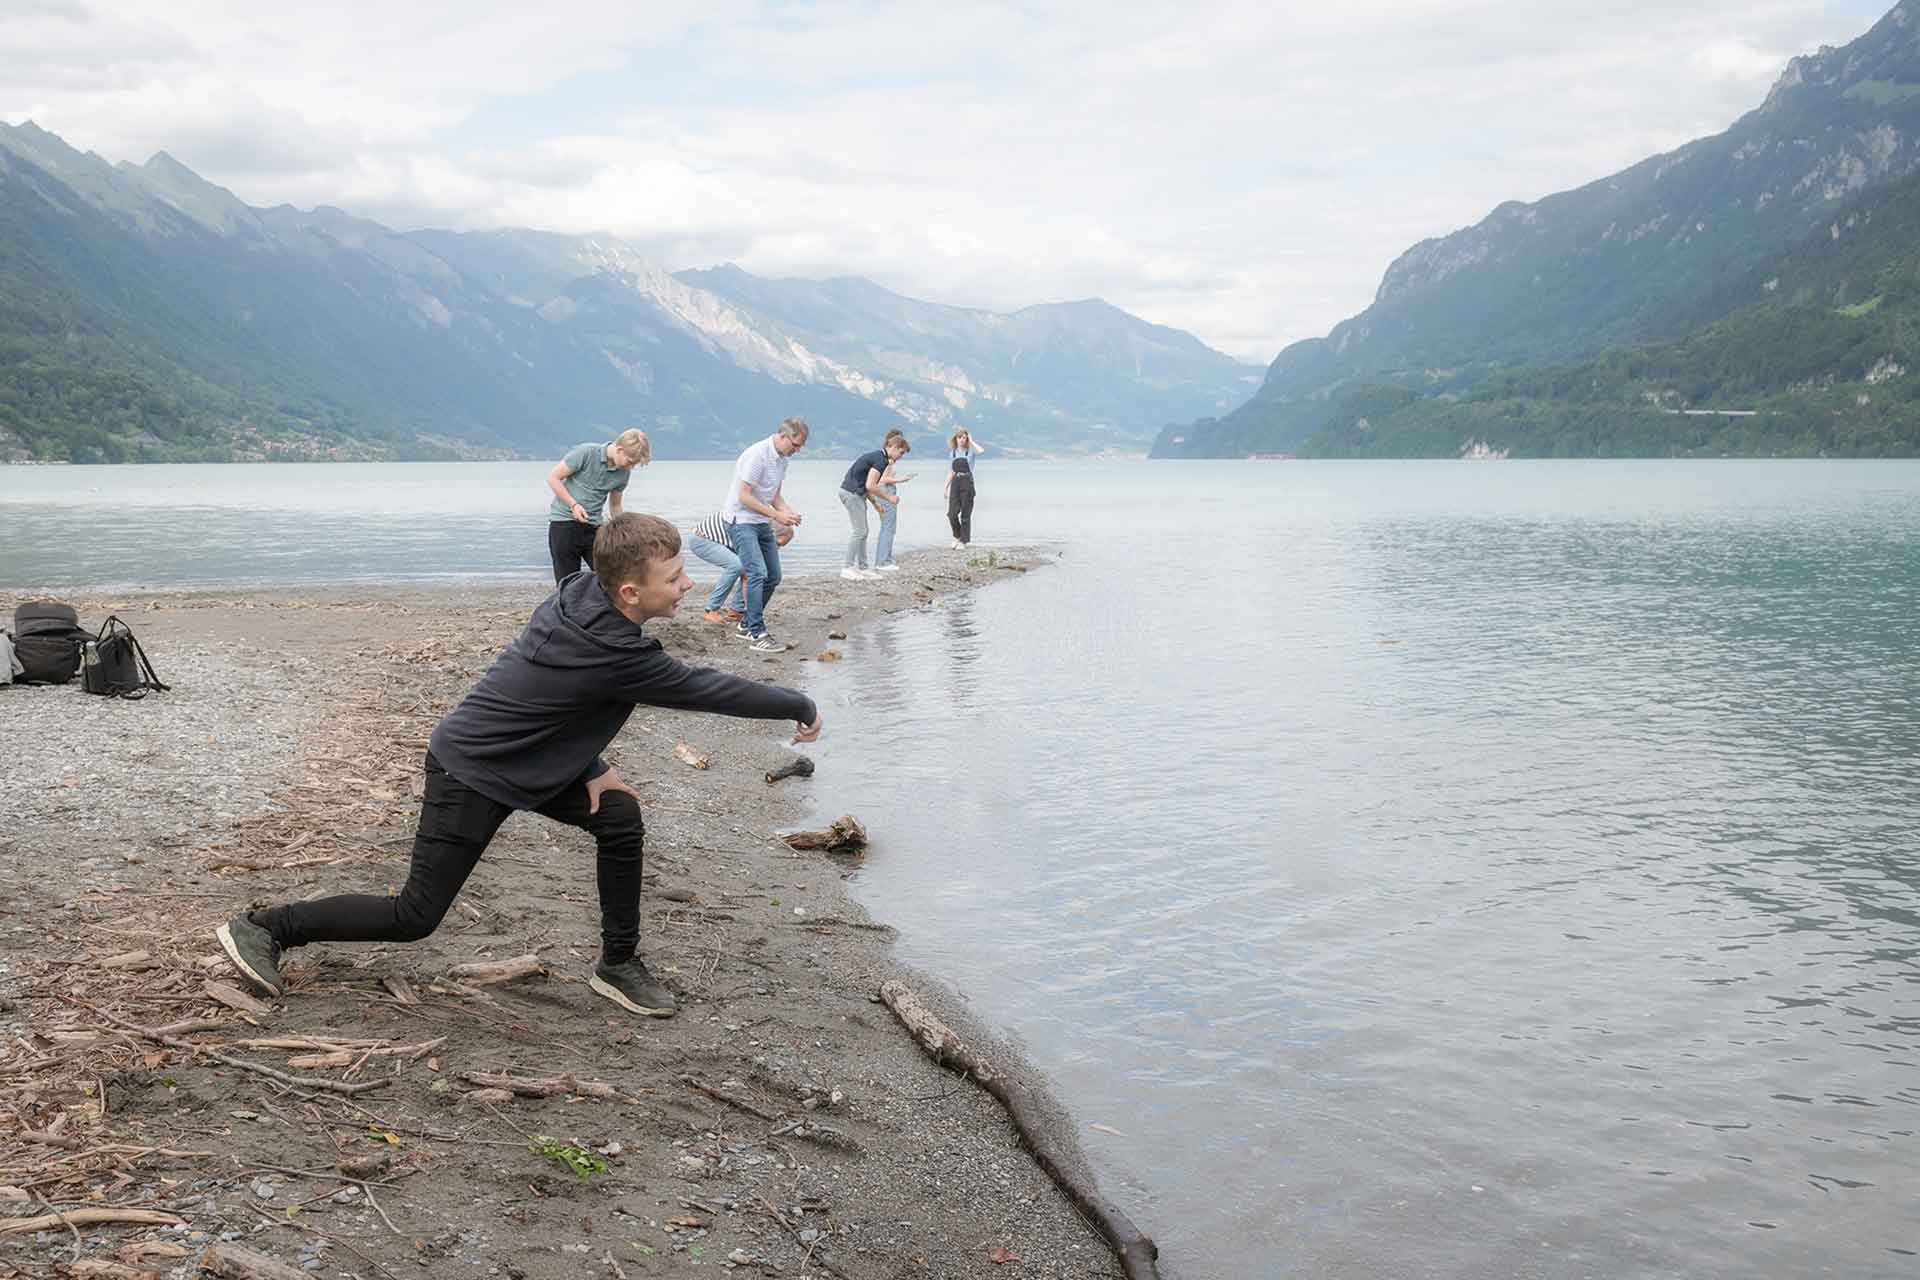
782	1124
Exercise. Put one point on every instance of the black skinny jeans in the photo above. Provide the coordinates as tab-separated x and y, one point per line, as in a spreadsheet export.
456	824
569	542
960	506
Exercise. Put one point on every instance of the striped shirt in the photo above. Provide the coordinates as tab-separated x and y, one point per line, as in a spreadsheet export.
713	529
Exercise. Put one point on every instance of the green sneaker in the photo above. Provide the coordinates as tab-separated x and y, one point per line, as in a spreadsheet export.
253	952
630	986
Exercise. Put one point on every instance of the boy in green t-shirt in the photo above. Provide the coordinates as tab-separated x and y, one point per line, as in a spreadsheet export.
587	488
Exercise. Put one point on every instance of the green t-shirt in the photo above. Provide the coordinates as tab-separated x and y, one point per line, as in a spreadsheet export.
592	480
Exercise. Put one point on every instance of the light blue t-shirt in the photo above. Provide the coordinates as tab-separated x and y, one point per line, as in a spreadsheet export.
592	480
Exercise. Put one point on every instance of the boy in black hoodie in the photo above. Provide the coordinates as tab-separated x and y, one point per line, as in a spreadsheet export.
529	736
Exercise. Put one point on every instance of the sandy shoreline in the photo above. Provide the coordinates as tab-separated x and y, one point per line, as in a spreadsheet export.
283	765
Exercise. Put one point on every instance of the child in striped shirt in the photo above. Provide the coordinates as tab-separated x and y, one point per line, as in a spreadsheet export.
708	540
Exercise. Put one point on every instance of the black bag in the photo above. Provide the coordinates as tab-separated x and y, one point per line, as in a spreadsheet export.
46	640
114	664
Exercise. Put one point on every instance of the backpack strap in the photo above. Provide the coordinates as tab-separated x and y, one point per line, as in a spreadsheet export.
153	679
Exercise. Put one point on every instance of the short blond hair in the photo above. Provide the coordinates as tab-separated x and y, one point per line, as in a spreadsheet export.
634	443
796	428
627	544
900	436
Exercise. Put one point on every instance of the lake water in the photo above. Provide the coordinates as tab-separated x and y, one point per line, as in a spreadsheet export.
1428	869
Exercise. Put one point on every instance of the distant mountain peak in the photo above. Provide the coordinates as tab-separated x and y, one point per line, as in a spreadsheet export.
1611	262
209	328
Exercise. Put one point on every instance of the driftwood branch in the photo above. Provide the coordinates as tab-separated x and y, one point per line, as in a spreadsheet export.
85	1218
732	1100
1135	1250
484	973
236	1263
227	1059
846	835
537	1087
234	998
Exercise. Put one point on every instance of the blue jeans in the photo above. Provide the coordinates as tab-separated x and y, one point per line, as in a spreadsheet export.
856	505
722	557
889	518
760	561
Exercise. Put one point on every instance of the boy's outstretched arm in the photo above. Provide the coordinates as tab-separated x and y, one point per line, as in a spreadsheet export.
657	679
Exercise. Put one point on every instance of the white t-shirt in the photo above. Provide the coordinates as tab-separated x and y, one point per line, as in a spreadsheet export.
763	470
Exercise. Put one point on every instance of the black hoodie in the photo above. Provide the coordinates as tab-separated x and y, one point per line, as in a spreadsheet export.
539	719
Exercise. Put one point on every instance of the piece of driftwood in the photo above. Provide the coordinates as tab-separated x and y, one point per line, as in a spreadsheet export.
732	1100
691	755
846	835
484	973
322	1061
1135	1250
101	1269
798	767
234	998
236	1263
174	1042
535	1087
85	1218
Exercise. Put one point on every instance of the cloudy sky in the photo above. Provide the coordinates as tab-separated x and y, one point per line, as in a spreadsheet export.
1245	171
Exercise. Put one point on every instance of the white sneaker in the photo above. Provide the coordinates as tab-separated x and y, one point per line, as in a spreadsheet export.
852	574
871	575
888	568
956	545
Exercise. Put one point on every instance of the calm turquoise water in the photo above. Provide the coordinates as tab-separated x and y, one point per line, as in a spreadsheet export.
1429	869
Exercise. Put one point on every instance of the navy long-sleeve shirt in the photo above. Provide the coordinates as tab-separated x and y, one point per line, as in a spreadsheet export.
552	701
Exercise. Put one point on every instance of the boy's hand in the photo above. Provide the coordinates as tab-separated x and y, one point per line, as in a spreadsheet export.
580	514
808	732
608	781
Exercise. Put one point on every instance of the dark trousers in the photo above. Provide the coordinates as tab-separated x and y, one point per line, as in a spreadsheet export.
569	542
456	825
960	507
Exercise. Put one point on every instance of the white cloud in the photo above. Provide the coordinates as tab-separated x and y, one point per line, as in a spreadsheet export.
1243	170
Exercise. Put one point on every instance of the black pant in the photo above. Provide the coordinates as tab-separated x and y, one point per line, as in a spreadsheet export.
960	507
569	542
456	824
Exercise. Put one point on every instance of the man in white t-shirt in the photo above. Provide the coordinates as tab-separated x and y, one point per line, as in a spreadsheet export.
755	505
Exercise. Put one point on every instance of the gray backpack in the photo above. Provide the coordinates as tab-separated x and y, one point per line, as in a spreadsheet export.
46	641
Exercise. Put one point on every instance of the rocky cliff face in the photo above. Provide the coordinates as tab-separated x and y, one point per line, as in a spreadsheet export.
1618	260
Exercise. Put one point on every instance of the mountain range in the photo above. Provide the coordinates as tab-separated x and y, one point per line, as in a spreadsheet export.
1754	292
149	315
